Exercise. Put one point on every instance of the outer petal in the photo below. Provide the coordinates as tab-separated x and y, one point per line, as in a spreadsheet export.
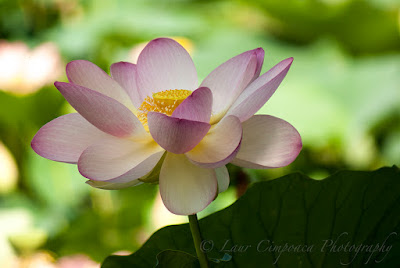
176	135
260	60
142	170
258	92
103	112
222	178
106	185
218	146
119	160
129	179
228	80
164	64
87	74
186	188
196	107
65	138
268	142
125	74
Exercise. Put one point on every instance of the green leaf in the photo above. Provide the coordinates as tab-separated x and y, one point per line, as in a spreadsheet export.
176	259
295	221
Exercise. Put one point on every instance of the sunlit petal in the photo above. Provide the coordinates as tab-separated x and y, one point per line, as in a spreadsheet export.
164	64
218	146
186	188
268	142
259	92
114	158
176	135
105	113
65	138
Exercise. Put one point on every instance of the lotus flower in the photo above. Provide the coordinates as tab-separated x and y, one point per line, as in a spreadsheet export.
152	122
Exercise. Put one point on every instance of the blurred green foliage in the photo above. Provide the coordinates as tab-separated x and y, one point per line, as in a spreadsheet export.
342	94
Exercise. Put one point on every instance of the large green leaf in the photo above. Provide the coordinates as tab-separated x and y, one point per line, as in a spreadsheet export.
294	221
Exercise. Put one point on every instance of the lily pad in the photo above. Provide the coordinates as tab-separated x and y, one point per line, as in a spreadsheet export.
351	218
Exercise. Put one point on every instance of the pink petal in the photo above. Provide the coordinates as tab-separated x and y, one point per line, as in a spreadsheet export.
196	107
164	64
222	178
228	80
65	138
268	142
260	60
259	92
142	169
86	74
105	113
186	188
119	160
125	74
219	146
176	135
106	185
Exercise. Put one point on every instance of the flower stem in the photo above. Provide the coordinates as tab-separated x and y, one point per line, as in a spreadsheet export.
194	227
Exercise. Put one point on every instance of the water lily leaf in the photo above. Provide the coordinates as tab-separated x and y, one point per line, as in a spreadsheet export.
177	259
351	218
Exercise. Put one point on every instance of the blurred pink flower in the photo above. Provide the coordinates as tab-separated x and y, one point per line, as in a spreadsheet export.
151	120
77	261
24	71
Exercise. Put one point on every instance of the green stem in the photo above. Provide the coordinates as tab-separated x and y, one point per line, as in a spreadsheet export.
194	227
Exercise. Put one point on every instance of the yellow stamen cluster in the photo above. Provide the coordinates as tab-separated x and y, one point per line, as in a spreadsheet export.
163	102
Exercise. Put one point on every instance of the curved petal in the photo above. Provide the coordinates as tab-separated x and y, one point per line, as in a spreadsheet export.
176	135
222	178
260	60
218	146
119	160
89	75
142	170
186	188
106	185
130	178
196	107
65	138
103	112
268	142
228	80
125	74
259	92
164	64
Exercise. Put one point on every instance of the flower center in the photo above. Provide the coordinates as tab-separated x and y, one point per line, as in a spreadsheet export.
163	102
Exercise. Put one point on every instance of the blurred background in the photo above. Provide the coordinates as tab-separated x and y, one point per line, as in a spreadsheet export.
342	93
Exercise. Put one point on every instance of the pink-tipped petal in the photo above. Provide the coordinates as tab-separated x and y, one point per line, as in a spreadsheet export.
125	74
186	188
228	80
105	113
260	60
268	142
176	135
106	185
259	92
222	178
196	107
220	144
164	64
87	74
65	138
119	160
